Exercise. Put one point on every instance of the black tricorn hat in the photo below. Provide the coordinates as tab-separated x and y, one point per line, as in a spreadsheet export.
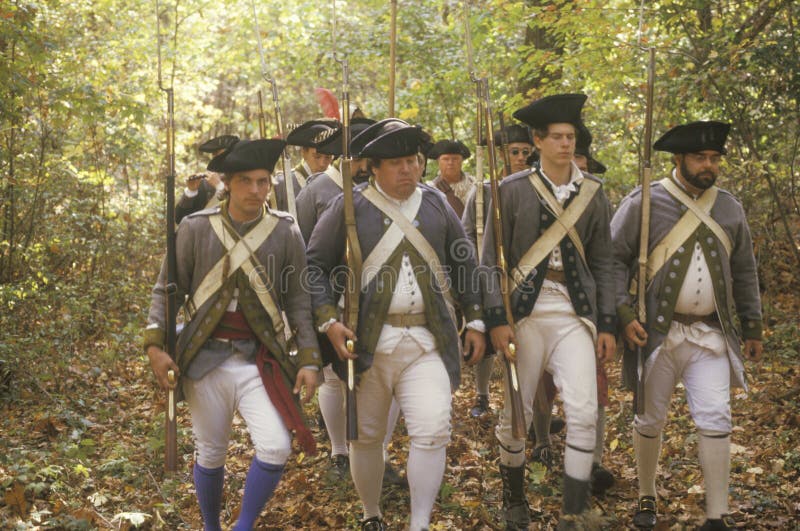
448	147
388	139
583	141
217	143
248	155
333	144
559	108
513	133
694	137
312	133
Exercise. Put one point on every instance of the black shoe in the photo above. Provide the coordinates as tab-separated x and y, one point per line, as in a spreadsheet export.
543	455
340	468
516	511
556	425
393	477
723	523
602	479
481	407
373	524
645	517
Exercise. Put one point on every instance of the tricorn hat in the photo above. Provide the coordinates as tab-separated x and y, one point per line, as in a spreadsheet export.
333	144
513	133
583	141
448	147
248	155
559	108
312	133
388	139
694	137
218	143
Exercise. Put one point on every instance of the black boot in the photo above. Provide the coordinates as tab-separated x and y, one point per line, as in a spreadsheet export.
575	502
373	524
481	406
515	504
602	479
645	517
723	523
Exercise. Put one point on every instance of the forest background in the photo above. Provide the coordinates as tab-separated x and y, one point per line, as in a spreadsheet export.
82	162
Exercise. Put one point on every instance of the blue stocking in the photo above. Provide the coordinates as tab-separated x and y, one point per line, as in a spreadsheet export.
208	484
262	478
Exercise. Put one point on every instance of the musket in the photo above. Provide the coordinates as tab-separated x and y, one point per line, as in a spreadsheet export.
286	164
479	199
644	233
517	411
392	56
504	144
262	119
352	255
171	288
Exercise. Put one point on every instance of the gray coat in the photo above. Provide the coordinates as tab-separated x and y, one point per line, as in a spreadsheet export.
525	217
441	227
313	200
735	277
198	249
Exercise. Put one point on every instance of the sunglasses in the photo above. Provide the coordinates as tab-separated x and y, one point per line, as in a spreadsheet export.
516	151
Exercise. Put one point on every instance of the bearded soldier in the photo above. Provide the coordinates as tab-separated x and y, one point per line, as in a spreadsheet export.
700	272
555	227
407	342
239	266
202	189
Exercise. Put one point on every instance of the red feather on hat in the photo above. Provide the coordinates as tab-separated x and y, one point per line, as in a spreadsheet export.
328	102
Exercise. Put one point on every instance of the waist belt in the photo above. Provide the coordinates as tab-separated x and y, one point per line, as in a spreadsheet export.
402	320
555	275
688	320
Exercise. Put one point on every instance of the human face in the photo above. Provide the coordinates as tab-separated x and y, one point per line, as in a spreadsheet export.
518	153
359	169
450	166
581	162
248	192
316	161
398	177
557	148
699	170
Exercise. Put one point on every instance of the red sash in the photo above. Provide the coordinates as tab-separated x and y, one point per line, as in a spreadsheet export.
234	326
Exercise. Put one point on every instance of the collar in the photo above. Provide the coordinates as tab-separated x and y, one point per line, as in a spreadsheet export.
562	191
307	168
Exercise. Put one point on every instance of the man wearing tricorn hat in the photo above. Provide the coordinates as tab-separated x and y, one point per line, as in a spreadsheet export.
312	201
239	266
307	136
555	226
700	272
202	189
451	179
407	343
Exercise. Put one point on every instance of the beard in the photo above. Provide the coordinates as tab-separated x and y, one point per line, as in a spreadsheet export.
702	180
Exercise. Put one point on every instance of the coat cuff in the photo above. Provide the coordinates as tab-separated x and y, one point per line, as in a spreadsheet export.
473	312
625	314
752	329
607	323
153	337
308	356
325	313
494	317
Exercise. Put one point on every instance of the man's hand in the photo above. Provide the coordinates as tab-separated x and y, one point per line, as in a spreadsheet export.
161	363
753	349
338	335
193	182
474	347
606	346
501	337
306	378
635	334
